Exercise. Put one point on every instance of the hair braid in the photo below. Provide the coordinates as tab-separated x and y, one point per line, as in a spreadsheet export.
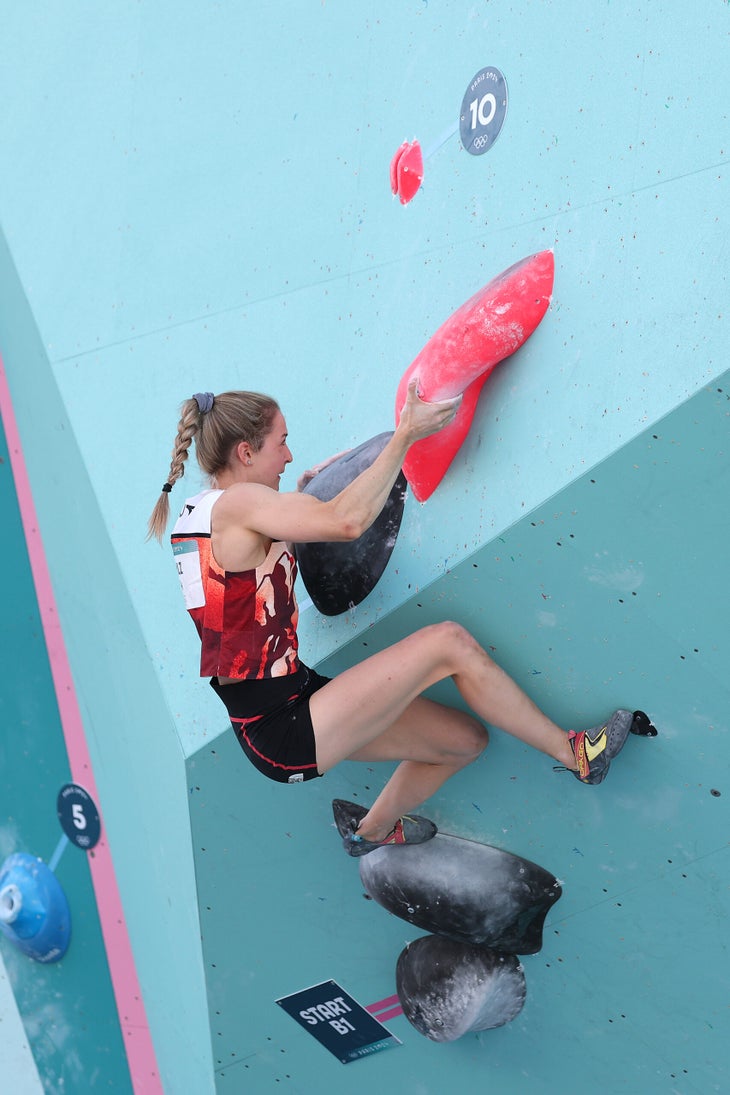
187	427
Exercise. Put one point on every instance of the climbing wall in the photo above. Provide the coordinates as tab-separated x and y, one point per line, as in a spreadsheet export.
198	197
68	1008
595	600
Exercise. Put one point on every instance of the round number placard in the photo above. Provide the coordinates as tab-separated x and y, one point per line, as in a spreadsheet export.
483	110
78	815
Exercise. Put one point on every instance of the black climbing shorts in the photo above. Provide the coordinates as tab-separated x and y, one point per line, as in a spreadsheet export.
271	720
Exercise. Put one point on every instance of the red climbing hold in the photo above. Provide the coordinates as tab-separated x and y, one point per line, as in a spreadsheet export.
490	326
406	171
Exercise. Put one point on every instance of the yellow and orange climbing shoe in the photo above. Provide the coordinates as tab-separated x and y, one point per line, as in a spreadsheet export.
594	749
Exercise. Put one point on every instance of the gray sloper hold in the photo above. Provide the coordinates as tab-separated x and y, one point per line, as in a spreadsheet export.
447	989
470	892
338	576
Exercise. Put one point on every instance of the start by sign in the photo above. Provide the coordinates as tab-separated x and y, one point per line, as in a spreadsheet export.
338	1022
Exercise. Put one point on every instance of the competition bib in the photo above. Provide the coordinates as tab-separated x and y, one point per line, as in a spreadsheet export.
187	561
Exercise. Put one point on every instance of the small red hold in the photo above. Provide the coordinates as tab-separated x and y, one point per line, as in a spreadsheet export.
406	171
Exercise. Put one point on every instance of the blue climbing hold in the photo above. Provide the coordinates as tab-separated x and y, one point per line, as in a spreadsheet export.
34	912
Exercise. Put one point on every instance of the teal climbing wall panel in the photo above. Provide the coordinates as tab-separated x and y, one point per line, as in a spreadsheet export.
68	1007
595	600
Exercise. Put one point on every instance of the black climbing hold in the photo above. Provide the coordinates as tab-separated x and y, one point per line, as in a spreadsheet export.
340	575
447	989
469	892
643	725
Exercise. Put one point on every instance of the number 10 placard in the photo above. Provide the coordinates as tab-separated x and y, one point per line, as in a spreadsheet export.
483	111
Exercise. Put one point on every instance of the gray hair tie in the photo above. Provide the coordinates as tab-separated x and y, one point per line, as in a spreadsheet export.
204	401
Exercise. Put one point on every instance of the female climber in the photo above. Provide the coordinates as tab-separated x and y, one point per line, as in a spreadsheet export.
233	544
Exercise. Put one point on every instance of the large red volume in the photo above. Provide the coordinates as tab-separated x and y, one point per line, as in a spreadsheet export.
460	356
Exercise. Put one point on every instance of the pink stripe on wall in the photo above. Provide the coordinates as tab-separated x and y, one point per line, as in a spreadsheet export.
388	1002
130	1006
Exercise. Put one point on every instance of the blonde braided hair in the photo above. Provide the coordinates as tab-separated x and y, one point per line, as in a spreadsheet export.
218	423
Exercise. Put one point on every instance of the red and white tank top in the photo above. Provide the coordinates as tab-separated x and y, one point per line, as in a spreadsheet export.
247	620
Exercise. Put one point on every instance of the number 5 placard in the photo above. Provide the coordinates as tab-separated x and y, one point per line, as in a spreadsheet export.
78	815
483	111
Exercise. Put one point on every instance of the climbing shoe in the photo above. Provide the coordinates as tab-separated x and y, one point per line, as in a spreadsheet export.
595	749
409	829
